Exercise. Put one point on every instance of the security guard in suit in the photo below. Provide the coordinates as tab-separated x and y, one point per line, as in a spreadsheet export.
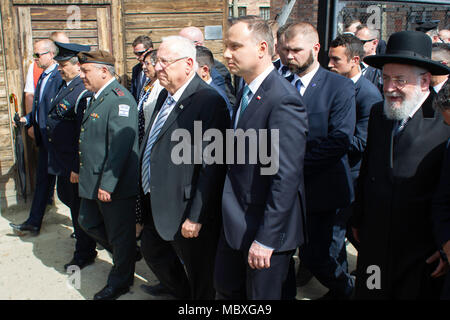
63	130
109	169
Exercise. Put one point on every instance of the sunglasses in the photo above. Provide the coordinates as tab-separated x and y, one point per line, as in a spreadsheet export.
139	53
38	55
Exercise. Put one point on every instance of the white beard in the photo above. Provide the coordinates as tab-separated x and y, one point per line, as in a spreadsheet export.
406	107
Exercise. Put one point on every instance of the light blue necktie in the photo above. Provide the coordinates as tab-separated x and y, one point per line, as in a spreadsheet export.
244	100
161	119
298	85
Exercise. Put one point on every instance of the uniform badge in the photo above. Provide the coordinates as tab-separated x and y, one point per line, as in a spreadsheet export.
62	105
119	92
94	115
124	110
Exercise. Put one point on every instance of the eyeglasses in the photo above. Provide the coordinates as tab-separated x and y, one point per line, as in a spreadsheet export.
397	82
38	55
365	41
165	62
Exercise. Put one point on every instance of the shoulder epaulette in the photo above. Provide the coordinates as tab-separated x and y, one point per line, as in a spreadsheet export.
119	92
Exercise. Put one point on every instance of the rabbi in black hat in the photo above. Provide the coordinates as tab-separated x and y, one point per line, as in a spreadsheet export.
398	256
63	130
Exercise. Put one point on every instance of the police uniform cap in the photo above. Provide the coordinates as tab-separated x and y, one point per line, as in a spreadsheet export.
69	50
100	56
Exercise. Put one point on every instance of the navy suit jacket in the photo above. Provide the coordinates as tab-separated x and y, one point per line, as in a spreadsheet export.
375	76
221	91
63	128
330	103
441	202
367	95
136	84
268	208
42	108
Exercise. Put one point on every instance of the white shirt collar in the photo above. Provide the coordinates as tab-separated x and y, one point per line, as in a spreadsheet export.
306	79
356	78
439	86
51	68
209	80
256	83
97	94
67	83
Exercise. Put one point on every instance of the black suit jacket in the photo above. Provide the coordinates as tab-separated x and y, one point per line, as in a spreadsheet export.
366	96
269	208
63	128
187	190
136	84
398	178
330	104
375	76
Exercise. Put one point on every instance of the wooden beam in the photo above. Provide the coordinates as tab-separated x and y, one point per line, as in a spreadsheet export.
118	41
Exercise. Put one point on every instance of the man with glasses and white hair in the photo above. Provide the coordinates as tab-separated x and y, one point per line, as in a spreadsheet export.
182	199
398	257
47	87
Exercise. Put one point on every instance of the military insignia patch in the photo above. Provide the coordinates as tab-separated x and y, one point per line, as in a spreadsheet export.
119	92
124	110
62	105
94	115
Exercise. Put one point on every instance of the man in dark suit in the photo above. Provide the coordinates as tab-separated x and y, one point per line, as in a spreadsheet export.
46	89
441	200
345	56
141	45
330	104
263	201
181	196
219	73
398	257
370	38
440	52
205	61
108	180
63	130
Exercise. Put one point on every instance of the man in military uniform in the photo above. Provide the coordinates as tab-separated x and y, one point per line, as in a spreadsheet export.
108	181
63	130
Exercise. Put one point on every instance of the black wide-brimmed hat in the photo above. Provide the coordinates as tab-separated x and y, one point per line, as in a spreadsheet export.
408	47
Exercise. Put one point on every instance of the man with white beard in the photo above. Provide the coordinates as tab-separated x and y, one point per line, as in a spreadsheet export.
398	257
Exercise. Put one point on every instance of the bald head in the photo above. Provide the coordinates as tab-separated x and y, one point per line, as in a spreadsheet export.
59	37
194	34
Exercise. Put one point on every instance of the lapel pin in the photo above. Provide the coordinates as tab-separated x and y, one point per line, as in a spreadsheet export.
258	98
181	106
313	84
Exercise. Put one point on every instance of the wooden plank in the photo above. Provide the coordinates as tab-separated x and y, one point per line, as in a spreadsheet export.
25	35
74	33
52	2
104	29
174	20
164	6
60	12
118	40
49	25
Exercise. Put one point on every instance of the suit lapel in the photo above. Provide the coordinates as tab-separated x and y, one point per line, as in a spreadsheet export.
313	85
64	92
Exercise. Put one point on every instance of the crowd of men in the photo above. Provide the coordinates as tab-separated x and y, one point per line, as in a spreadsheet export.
361	150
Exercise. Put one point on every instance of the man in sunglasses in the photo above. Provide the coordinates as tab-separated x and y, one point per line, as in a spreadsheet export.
370	39
47	87
141	45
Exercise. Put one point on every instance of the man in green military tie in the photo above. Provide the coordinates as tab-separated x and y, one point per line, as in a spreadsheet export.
108	182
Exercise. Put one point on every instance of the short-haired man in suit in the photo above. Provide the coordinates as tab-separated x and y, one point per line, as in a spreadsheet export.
141	45
263	212
398	257
205	61
330	104
440	52
345	57
47	87
182	197
370	38
108	179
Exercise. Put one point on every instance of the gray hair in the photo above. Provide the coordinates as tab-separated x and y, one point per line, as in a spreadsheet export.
110	69
183	46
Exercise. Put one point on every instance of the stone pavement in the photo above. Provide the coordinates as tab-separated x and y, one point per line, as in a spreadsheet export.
31	268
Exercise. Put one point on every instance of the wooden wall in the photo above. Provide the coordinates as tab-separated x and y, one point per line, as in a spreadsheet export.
106	24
